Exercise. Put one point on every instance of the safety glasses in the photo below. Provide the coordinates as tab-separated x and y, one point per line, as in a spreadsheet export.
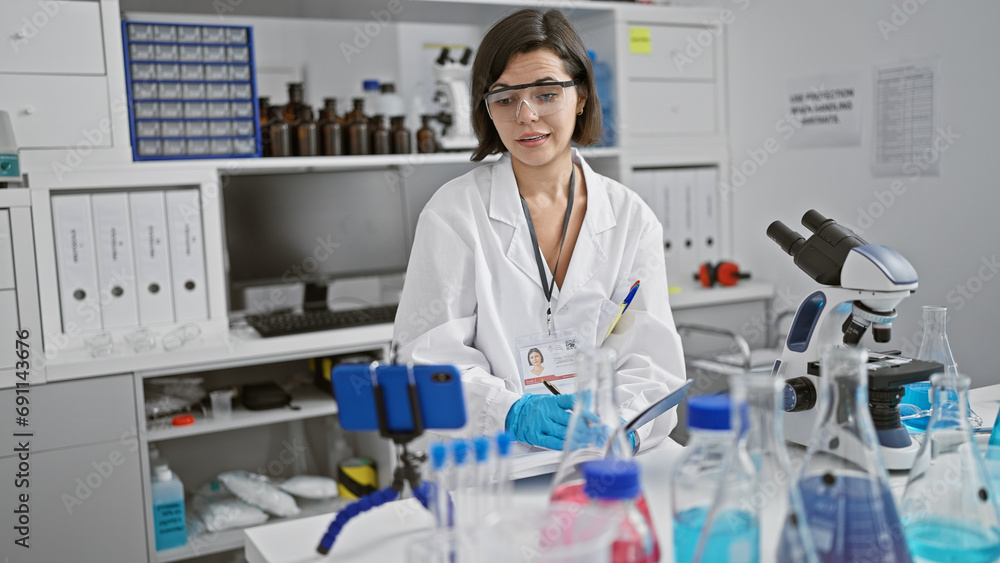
542	98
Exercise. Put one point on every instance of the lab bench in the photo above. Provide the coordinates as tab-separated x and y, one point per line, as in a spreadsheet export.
384	533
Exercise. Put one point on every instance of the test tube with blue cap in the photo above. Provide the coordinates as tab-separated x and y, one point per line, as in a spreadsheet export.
439	460
460	482
481	479
503	486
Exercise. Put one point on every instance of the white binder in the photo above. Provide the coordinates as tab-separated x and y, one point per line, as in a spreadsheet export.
187	255
677	188
115	266
643	185
152	257
76	264
707	207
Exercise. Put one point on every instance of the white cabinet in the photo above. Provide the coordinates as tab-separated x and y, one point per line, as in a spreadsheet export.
672	109
51	37
6	252
81	471
674	52
48	110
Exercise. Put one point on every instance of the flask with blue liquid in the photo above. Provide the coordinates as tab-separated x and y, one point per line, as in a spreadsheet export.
849	508
715	453
934	347
948	509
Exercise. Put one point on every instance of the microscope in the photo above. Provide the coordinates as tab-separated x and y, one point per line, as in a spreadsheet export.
451	92
863	285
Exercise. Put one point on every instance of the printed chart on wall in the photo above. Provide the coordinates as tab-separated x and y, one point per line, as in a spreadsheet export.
825	110
907	136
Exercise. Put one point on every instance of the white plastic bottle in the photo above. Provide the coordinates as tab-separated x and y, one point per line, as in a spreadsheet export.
169	524
391	104
371	93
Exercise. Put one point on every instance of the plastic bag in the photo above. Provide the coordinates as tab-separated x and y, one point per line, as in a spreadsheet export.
220	515
256	490
310	486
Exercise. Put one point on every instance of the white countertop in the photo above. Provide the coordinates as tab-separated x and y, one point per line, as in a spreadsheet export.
383	534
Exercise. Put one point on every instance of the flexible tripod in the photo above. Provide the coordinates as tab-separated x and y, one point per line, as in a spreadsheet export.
408	470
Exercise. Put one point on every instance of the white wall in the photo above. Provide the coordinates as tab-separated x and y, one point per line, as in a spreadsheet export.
946	226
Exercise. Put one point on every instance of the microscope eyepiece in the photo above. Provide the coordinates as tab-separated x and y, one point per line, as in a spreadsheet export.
814	221
821	256
789	240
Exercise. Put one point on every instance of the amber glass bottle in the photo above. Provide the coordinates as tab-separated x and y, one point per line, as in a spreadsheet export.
380	140
331	135
426	139
357	129
306	138
400	135
278	134
295	101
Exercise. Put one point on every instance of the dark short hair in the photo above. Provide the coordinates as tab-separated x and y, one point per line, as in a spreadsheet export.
526	31
534	351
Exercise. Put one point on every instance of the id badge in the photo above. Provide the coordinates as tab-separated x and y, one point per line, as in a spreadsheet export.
548	358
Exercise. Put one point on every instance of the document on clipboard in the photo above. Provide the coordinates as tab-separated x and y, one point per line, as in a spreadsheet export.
529	461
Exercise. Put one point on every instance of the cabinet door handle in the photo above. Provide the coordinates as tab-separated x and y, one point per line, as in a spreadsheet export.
29	110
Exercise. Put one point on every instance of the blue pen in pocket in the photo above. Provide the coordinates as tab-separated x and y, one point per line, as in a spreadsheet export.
623	307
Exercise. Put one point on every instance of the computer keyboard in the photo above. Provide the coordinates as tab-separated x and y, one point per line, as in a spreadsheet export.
281	324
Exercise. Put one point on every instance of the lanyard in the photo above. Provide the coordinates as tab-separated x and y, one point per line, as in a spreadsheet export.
538	253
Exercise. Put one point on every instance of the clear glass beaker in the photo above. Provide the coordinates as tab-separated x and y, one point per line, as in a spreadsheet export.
948	512
844	486
595	430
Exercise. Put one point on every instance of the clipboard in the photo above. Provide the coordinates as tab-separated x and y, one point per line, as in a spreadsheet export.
658	408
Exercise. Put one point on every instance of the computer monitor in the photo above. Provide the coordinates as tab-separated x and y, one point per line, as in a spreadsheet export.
312	228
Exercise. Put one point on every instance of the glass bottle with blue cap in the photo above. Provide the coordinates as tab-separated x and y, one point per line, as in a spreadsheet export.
712	446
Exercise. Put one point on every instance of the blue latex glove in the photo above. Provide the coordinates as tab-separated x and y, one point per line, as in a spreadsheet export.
540	420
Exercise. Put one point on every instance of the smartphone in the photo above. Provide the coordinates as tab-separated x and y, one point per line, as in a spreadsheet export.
439	395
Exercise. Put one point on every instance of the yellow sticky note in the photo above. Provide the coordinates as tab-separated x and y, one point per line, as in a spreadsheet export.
638	41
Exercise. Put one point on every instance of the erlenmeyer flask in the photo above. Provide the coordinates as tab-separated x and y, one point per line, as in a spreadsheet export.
595	429
844	485
773	496
947	510
934	345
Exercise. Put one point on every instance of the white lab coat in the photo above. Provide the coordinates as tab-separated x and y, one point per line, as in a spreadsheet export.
472	288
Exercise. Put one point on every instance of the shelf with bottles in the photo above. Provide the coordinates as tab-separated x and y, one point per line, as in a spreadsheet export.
277	444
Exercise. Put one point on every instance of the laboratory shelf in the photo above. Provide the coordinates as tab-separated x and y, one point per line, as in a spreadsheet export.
311	403
688	295
303	164
214	350
217	542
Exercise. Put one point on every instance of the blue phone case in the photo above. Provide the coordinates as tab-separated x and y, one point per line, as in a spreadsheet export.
439	394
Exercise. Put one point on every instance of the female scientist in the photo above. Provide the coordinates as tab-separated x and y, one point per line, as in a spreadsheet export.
537	250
